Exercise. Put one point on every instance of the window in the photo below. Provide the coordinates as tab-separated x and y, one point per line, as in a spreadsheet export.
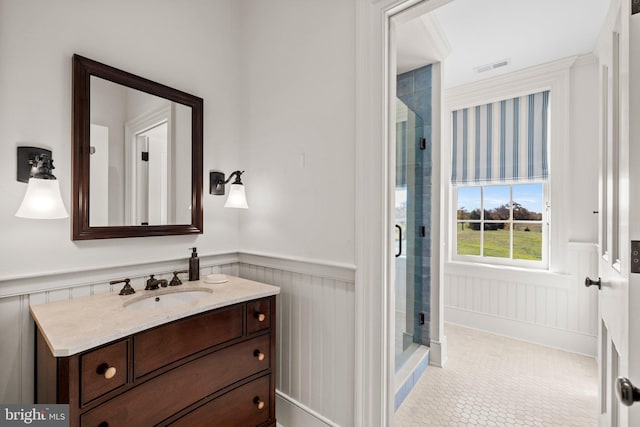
500	177
501	221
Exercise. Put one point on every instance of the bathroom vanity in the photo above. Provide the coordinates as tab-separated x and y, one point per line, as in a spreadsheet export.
120	361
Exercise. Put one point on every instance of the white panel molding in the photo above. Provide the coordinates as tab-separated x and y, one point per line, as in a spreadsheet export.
372	378
551	309
66	279
329	270
508	274
582	246
315	340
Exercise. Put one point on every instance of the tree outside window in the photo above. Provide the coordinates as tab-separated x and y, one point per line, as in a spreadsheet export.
500	221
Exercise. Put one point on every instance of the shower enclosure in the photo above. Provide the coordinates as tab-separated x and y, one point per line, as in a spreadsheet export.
413	212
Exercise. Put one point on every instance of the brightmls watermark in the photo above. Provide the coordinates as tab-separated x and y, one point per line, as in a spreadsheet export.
36	415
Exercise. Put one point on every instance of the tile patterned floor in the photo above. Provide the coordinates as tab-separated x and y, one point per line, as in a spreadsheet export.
491	380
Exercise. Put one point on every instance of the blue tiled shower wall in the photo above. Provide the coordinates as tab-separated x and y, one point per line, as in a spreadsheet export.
413	169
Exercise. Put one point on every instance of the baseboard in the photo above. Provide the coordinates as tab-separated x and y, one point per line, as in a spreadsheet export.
549	337
291	413
438	352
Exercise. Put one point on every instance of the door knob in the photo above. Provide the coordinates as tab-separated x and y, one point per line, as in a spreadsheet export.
627	393
588	282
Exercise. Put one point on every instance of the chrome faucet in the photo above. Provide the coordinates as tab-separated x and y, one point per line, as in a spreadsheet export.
153	283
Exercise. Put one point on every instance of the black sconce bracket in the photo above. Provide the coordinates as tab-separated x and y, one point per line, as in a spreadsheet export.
217	181
33	160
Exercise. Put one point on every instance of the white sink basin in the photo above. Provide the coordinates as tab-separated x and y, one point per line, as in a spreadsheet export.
167	299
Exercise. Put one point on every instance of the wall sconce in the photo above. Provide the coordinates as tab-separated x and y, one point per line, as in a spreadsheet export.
237	198
42	199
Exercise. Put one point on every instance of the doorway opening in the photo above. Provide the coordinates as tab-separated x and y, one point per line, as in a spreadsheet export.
516	87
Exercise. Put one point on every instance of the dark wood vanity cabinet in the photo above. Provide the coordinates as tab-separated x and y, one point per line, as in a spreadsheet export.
211	369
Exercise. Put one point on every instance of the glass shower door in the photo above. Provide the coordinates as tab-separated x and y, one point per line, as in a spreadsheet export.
404	290
413	213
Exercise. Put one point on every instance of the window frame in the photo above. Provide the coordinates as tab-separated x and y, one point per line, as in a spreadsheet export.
543	264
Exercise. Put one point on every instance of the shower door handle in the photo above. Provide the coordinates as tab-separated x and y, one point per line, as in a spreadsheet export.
399	241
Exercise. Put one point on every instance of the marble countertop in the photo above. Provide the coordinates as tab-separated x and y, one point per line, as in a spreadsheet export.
76	325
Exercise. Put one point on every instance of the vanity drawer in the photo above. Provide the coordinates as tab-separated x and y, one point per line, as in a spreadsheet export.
103	370
158	347
245	406
154	400
258	315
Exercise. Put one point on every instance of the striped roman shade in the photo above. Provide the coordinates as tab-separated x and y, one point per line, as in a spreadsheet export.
503	141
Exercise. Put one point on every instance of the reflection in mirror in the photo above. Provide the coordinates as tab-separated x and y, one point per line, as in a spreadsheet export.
137	155
140	158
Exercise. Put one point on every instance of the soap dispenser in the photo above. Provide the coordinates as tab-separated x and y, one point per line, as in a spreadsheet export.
194	266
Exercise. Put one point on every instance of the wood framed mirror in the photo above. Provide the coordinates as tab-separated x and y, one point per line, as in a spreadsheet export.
137	156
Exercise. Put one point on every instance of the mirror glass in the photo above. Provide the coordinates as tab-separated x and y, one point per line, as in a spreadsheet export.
137	155
140	155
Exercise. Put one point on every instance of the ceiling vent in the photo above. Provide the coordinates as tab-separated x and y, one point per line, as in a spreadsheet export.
489	67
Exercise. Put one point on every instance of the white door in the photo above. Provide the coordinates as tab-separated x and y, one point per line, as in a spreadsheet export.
615	330
142	180
99	176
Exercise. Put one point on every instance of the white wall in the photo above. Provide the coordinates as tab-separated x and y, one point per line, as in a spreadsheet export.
299	155
190	45
298	128
277	79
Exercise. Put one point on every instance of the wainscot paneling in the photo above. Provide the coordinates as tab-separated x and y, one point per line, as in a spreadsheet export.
316	340
551	309
17	329
315	314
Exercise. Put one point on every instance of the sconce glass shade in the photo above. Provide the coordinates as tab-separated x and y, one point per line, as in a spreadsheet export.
42	200
236	198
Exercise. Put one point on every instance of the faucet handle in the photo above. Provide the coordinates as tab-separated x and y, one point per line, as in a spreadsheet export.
152	283
126	289
176	280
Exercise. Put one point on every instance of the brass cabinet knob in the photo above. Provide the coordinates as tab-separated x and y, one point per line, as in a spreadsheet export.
259	355
110	372
107	371
258	402
260	317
